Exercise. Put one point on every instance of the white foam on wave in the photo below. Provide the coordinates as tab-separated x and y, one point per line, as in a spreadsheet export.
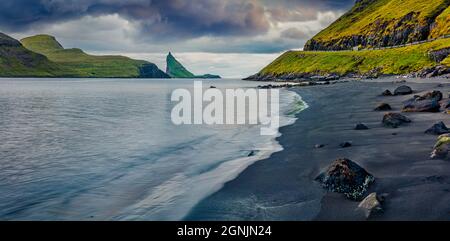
174	198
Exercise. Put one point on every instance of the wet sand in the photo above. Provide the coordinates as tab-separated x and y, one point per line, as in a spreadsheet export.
282	187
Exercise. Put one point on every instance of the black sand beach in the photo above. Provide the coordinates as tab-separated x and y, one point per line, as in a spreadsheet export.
282	187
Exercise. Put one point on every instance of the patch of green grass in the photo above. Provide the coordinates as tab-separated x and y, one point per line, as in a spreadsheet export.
17	61
388	61
85	65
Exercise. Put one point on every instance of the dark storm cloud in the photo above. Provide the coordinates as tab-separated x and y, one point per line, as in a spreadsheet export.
162	19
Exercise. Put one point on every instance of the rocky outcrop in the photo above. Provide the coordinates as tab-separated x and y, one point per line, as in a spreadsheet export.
394	120
439	55
345	176
150	70
433	71
384	31
438	129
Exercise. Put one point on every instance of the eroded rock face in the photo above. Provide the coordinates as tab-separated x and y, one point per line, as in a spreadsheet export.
403	90
433	95
383	107
345	176
394	120
438	129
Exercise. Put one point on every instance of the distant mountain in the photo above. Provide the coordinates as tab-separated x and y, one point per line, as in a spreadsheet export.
382	23
81	64
176	70
17	61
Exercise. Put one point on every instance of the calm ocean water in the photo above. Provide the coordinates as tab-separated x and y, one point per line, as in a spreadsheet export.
106	149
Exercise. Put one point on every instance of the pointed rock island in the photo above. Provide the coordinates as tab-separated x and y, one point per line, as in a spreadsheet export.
176	70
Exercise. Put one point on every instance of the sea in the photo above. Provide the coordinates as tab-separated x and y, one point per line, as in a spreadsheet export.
106	149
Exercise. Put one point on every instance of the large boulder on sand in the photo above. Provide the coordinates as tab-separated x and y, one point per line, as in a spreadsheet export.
438	129
403	90
428	102
347	177
383	107
387	93
394	120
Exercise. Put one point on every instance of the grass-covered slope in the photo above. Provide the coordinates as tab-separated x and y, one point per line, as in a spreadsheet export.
17	61
176	70
86	65
388	61
379	23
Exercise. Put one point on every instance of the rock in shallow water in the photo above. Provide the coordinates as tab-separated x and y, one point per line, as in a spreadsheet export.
403	90
345	144
345	176
394	120
438	129
387	93
361	126
382	107
371	205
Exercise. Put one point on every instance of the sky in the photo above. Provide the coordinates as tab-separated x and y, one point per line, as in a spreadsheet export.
232	38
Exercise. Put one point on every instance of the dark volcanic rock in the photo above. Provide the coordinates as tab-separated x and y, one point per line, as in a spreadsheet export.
382	107
361	126
403	90
438	129
434	95
394	120
427	105
345	144
318	146
429	102
387	93
347	177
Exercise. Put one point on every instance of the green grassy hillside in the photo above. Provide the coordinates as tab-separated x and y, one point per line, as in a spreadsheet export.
378	23
86	65
17	61
389	61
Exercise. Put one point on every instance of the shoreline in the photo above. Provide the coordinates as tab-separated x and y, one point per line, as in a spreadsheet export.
282	187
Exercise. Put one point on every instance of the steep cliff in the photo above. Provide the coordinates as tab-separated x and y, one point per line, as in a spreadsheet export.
176	70
381	23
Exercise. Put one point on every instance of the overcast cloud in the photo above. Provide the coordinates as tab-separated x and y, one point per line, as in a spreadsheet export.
152	27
